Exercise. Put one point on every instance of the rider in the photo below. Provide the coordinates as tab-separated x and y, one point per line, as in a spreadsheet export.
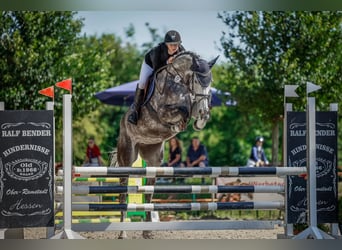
257	157
156	58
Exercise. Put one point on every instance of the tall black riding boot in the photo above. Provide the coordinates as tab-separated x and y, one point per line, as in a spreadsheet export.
135	108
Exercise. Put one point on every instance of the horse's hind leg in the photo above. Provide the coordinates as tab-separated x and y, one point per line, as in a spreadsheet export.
127	154
153	155
122	199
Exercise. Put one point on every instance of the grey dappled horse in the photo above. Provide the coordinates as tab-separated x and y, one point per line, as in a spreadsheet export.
182	92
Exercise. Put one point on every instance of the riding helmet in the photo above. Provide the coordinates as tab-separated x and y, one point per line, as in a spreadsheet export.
172	36
259	138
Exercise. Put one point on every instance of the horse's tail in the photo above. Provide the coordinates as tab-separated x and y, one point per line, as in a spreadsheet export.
113	159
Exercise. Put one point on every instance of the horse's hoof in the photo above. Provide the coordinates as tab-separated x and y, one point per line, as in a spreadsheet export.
122	236
147	235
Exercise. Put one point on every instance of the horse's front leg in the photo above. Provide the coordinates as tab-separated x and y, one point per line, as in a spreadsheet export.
147	234
122	199
153	155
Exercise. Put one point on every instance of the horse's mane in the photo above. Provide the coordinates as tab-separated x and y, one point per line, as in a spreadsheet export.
199	66
188	52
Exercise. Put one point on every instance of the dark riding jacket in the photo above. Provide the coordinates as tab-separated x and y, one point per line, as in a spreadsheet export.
257	154
157	57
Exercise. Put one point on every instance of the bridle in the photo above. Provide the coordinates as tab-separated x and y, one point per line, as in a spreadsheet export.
175	77
195	97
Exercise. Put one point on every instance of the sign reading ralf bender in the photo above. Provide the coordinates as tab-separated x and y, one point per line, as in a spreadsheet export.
326	167
26	169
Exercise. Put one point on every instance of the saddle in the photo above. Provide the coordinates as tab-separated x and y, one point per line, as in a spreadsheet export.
151	85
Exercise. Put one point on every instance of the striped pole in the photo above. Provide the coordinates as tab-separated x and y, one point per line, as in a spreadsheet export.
183	200
151	172
173	189
98	179
87	213
196	206
94	220
91	179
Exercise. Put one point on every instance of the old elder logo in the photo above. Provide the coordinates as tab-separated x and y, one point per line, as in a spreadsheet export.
323	166
26	169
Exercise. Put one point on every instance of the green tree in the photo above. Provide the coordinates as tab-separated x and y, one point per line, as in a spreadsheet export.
100	62
39	49
271	49
32	48
230	132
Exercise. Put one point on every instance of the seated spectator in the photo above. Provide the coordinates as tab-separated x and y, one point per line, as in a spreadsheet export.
175	154
257	157
197	155
93	154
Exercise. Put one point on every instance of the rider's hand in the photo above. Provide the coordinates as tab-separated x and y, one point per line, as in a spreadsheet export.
170	60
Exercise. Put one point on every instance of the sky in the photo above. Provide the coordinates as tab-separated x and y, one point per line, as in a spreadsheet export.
200	30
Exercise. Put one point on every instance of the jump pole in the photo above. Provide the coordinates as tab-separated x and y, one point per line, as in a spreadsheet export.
151	172
177	225
67	232
194	189
288	107
50	231
194	206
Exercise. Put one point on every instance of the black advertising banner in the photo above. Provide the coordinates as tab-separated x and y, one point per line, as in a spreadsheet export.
326	167
26	169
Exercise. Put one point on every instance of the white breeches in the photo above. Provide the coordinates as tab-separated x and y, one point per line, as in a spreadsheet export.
145	73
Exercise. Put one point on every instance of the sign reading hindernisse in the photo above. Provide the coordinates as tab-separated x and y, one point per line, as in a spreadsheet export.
326	167
26	169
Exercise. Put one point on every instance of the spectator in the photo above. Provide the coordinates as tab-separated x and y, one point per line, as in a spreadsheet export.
257	157
197	155
175	155
93	154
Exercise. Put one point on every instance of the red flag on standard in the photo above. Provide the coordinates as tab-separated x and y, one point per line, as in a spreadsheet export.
48	92
65	84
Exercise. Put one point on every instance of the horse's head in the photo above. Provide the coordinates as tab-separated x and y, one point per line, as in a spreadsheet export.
183	92
198	77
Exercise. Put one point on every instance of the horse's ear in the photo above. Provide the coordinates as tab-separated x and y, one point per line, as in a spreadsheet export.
212	62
